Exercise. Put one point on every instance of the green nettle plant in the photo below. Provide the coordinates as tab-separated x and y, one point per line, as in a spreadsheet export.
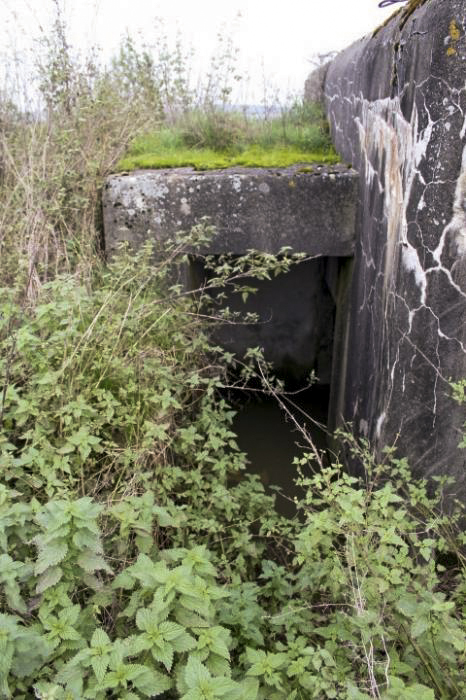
138	558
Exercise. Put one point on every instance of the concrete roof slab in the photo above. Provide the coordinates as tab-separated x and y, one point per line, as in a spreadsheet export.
312	209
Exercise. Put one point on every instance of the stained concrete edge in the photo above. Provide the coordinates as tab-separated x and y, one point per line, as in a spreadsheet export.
311	208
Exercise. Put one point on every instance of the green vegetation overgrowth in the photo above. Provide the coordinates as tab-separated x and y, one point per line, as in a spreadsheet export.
205	159
213	138
138	558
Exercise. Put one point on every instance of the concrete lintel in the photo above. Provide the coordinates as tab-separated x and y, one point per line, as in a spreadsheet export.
310	208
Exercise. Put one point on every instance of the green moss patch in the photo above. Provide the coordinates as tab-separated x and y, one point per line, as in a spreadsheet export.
205	159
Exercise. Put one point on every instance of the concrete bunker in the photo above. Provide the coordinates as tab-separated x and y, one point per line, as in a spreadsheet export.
308	209
312	211
399	333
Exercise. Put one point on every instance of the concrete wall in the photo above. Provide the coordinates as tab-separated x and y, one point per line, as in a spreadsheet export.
396	102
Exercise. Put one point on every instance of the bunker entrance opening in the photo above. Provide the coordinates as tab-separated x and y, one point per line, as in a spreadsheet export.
296	319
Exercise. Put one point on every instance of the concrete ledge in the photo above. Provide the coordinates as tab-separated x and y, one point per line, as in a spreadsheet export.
310	208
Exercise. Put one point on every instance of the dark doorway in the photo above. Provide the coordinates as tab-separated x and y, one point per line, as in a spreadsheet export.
296	325
271	440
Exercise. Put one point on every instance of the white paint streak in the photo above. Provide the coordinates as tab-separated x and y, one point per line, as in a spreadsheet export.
380	422
463	129
387	137
411	263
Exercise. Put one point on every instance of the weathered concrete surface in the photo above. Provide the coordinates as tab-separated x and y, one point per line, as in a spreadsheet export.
266	209
397	108
314	85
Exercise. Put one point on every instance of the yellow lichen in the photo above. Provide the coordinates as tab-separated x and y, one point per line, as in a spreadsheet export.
455	35
454	31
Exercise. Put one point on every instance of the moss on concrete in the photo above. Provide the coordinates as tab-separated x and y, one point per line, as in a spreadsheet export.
218	140
204	159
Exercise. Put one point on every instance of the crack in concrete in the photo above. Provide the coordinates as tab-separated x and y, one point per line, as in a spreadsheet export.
409	287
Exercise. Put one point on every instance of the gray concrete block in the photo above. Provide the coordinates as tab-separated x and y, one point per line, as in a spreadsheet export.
310	208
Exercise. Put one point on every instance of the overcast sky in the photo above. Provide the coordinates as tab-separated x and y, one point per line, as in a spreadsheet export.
275	39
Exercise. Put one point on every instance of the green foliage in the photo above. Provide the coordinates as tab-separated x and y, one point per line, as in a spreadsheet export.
379	552
137	558
211	138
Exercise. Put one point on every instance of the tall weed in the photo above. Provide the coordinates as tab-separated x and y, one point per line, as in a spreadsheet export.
55	156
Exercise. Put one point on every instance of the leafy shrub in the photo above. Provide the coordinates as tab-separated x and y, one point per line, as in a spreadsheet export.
139	560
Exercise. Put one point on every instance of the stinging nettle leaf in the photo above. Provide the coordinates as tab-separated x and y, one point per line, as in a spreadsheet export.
150	682
48	579
51	555
90	562
163	653
195	672
99	666
100	638
184	642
